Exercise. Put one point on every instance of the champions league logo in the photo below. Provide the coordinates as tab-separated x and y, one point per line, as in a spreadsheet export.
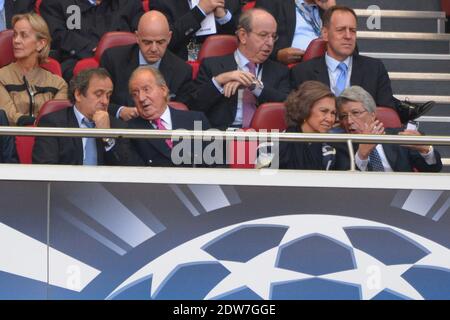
298	257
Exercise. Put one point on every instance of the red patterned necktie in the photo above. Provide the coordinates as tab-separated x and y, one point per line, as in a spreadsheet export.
248	100
160	126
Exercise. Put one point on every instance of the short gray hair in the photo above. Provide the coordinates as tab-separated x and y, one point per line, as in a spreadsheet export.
357	94
155	72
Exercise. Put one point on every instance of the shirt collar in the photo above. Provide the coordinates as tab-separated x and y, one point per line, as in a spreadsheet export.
165	117
333	63
80	117
92	2
143	62
242	60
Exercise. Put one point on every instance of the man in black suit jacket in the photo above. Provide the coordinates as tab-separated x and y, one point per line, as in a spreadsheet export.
150	94
222	81
89	92
186	21
339	30
13	7
299	22
76	26
356	109
153	36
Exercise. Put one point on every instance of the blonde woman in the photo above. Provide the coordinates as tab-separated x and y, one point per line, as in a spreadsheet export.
24	85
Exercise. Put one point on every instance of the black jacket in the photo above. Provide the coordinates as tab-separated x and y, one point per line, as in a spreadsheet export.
185	22
368	73
401	159
78	41
121	62
221	111
8	152
13	7
69	150
155	152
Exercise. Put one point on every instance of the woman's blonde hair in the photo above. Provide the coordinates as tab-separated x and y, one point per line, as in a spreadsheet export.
42	33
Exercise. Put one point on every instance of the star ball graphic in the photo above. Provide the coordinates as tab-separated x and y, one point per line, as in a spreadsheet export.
299	257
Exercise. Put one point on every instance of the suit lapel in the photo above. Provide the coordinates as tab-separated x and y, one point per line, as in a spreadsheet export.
357	72
321	71
158	144
77	141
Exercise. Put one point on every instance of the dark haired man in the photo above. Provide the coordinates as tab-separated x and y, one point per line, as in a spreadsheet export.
89	92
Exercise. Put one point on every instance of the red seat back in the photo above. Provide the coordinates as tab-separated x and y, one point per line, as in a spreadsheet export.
37	6
389	117
241	153
316	48
51	106
146	5
52	66
269	115
24	148
7	54
249	5
114	39
217	45
178	105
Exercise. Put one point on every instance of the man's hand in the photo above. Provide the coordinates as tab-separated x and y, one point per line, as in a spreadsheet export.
220	12
376	127
243	77
230	88
421	148
325	4
209	6
101	119
290	55
128	113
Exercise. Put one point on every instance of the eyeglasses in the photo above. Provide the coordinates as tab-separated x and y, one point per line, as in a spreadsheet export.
354	113
266	36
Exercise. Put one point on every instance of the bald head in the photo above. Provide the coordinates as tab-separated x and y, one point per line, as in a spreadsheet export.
153	35
257	33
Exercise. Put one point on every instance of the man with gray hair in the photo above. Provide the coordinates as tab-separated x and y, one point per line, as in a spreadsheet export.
356	110
229	88
151	96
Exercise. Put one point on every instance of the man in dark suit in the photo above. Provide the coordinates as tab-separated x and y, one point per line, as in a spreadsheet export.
153	36
299	22
77	25
185	21
356	109
150	94
229	88
8	152
341	67
89	92
9	8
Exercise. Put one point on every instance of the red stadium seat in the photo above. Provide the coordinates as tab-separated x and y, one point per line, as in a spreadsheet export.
217	45
269	115
178	105
316	48
389	117
241	153
108	40
37	6
51	106
146	5
249	5
24	148
7	55
24	144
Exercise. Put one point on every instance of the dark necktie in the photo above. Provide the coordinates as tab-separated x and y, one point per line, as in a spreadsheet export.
375	163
